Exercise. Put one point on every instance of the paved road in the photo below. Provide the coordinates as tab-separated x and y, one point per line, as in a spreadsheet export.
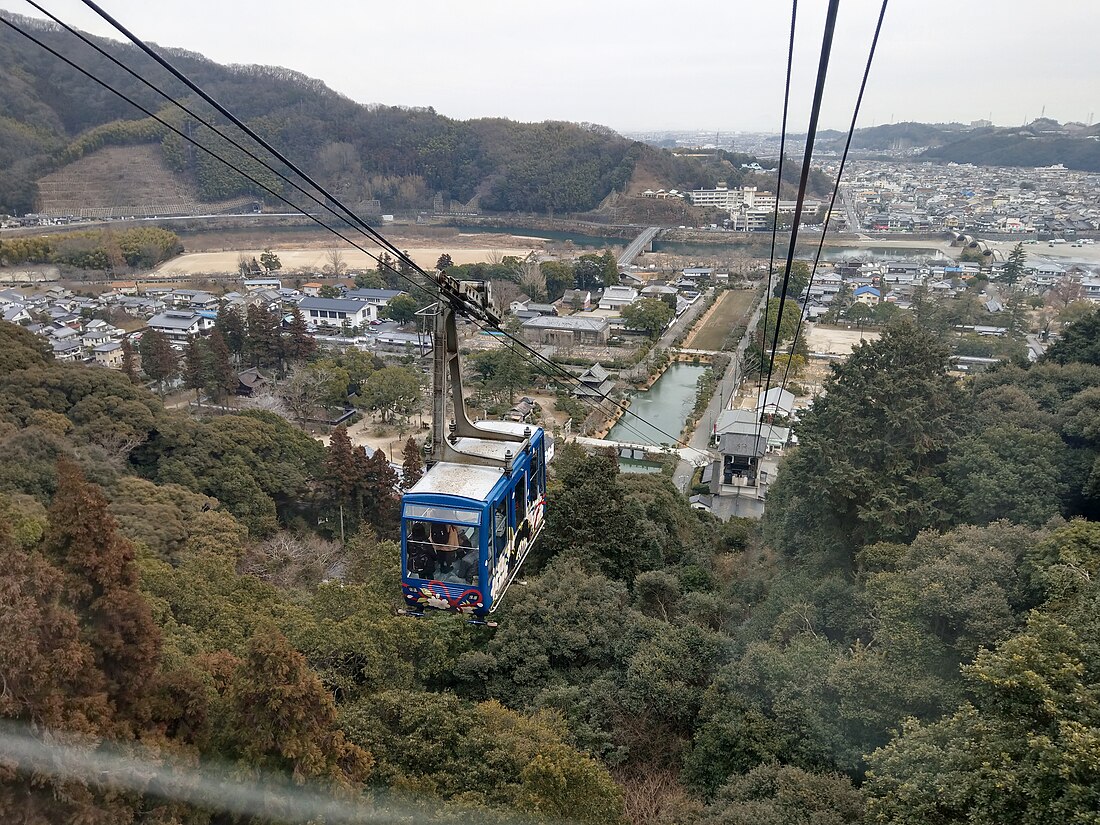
634	249
701	439
684	321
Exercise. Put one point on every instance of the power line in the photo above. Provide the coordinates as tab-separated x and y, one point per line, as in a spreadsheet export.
456	299
778	187
839	175
811	135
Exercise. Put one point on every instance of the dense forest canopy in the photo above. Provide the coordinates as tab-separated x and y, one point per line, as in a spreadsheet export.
922	610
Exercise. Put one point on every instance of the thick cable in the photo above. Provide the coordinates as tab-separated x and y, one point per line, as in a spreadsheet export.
836	184
811	136
778	189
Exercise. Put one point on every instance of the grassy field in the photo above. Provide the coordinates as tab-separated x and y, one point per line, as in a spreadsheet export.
732	308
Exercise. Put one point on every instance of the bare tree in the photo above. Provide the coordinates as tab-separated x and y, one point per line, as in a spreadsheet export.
532	280
494	256
287	560
336	265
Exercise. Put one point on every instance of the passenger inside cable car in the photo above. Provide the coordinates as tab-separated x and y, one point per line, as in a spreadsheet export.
442	551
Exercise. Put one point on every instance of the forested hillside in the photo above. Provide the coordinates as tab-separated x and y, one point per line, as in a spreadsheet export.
50	116
1042	142
920	614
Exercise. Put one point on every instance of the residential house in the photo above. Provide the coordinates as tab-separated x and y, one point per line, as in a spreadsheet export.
1090	289
179	326
193	299
312	289
574	329
614	298
378	297
335	312
403	342
867	295
15	314
250	382
251	284
521	410
579	299
777	401
747	422
108	355
531	309
595	382
67	349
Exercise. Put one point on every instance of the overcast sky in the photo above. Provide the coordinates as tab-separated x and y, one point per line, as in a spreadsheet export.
643	64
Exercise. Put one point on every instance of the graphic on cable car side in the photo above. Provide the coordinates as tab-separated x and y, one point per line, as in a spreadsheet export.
466	529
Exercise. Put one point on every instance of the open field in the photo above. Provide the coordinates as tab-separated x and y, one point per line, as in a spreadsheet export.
313	260
730	310
837	341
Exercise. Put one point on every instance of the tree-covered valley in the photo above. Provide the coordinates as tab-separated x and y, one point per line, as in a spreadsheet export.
910	636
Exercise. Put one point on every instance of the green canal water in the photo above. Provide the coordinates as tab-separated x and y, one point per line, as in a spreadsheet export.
666	405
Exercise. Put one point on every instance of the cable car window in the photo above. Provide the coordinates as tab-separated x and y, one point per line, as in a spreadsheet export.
533	485
442	513
440	551
521	499
500	527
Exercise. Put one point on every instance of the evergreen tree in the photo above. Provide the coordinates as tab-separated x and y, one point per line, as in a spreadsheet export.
283	719
263	338
231	325
129	364
159	360
341	475
82	538
270	261
300	345
220	378
412	465
194	367
444	262
1013	269
377	491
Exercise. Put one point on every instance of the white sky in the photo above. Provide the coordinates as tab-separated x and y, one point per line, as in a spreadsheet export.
644	64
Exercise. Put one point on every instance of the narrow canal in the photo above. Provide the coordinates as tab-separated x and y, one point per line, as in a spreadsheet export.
666	405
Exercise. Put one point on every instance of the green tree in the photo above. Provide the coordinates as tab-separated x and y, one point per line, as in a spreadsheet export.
402	309
1013	269
392	391
328	291
444	262
559	277
870	449
788	321
796	285
194	366
300	345
610	266
649	315
159	360
774	794
369	280
588	272
129	363
270	261
220	377
1080	341
412	464
232	327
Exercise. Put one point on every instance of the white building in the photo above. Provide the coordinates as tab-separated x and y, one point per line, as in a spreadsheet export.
335	312
180	326
616	297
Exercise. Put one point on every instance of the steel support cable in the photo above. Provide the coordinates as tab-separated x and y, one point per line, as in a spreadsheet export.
778	188
483	324
811	135
839	174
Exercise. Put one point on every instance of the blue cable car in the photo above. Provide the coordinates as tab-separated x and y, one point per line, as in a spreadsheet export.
469	523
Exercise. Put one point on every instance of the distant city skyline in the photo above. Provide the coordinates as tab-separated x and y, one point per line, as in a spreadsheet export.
634	66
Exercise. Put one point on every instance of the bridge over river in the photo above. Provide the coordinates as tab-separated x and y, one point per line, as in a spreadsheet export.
638	246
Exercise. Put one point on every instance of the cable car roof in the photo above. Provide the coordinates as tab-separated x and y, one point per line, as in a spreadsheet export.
463	480
509	427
